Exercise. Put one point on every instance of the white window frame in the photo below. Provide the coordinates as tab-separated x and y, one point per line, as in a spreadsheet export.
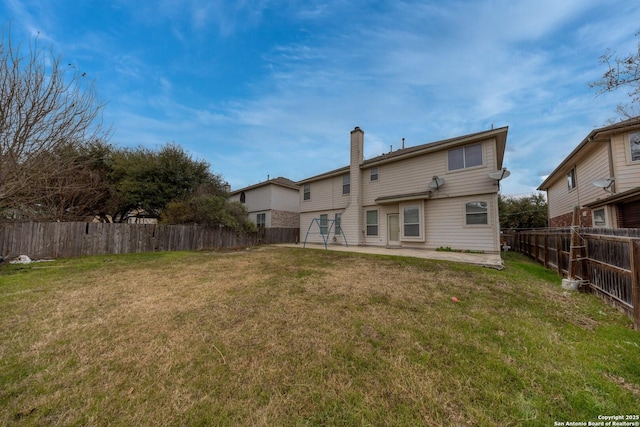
368	224
464	157
467	214
634	139
346	184
374	174
262	223
571	179
421	234
337	227
604	217
306	192
324	224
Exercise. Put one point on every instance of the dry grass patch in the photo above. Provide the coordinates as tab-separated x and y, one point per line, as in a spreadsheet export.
293	337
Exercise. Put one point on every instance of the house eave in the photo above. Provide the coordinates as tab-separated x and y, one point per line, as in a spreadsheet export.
626	196
500	135
275	181
330	174
597	135
403	197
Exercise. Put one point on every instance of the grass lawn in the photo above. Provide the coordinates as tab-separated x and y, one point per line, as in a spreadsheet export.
293	337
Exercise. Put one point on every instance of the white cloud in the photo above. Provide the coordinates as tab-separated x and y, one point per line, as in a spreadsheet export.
420	70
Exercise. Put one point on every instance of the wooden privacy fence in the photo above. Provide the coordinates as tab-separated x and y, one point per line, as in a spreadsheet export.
607	259
68	239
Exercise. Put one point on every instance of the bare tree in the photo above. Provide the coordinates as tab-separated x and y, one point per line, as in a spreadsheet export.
45	108
622	72
75	188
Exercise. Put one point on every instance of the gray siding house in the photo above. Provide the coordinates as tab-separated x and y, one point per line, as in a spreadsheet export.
272	203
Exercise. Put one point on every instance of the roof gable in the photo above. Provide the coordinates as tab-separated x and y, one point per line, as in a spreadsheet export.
500	134
602	134
279	181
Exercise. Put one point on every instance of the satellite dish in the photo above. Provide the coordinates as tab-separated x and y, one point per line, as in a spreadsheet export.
436	183
604	183
499	174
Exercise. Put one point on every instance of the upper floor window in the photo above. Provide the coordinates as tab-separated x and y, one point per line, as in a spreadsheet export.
242	197
306	192
476	213
346	184
465	157
634	146
374	174
571	179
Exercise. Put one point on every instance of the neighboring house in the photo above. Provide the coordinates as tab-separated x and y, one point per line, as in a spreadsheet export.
602	177
272	203
395	200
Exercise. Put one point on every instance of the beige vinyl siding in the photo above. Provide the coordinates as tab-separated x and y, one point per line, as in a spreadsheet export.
285	199
257	199
594	166
314	233
253	217
445	221
627	173
560	200
383	211
325	194
413	175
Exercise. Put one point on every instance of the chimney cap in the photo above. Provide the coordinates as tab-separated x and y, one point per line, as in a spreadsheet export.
356	129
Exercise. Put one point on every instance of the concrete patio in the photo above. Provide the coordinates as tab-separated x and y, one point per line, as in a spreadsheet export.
486	260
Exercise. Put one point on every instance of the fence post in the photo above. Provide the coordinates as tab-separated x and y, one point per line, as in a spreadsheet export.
559	253
546	250
634	252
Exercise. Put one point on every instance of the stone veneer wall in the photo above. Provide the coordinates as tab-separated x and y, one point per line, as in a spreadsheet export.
285	219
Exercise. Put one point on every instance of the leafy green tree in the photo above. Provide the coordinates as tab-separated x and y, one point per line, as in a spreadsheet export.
212	210
143	179
523	212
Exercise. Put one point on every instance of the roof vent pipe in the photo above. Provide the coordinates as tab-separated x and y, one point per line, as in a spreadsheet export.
403	143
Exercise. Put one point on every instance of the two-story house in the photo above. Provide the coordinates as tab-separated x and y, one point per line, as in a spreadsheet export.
273	203
602	177
433	195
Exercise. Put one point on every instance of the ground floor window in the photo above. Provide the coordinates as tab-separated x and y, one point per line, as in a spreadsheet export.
372	223
336	224
477	213
324	220
261	220
412	219
599	219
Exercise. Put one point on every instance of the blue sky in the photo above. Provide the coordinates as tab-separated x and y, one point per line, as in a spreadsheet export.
259	87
